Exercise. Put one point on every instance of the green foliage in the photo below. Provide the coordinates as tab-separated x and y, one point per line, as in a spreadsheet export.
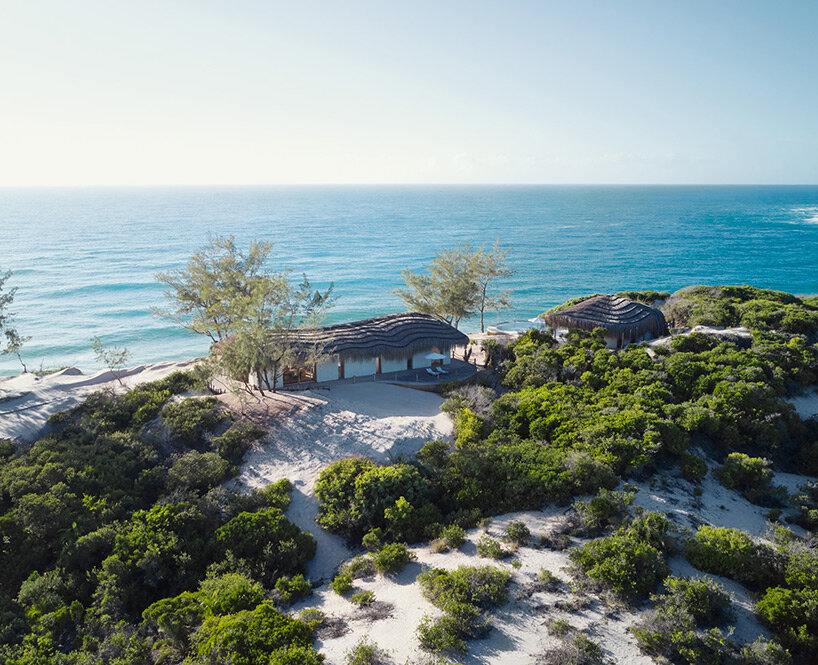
441	635
392	558
732	553
454	535
190	419
268	542
250	637
482	586
291	589
692	466
490	548
793	614
623	563
464	595
806	503
275	495
751	475
341	584
237	440
198	472
362	598
747	306
365	653
518	533
357	496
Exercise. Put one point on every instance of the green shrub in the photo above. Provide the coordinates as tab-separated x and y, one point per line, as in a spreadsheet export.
441	635
373	540
392	558
190	419
806	503
484	586
793	615
268	542
237	440
692	466
454	535
360	566
362	598
744	472
651	528
490	548
365	653
518	533
254	636
625	565
704	599
291	589
341	584
732	553
764	652
199	472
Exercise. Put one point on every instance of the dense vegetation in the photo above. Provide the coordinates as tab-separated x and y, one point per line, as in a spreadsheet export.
573	419
120	544
757	309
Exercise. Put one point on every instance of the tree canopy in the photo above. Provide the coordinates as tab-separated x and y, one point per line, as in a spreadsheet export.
458	284
255	316
14	341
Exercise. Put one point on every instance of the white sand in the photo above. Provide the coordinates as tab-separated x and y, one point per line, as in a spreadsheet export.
27	400
376	420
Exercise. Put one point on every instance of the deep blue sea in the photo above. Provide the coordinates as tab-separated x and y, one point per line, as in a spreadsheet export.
84	260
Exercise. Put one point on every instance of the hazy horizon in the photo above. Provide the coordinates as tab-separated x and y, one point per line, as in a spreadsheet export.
264	93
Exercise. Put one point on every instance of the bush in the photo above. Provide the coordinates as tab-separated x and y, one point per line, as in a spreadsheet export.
190	419
764	652
490	548
751	475
704	599
441	635
576	649
693	467
365	653
291	589
627	566
268	542
392	558
483	586
732	553
237	440
454	535
362	598
252	636
518	533
341	584
199	472
793	615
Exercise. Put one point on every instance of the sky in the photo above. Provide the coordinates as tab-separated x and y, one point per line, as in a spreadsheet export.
188	92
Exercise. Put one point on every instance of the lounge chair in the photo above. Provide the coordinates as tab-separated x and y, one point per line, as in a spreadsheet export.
440	370
431	372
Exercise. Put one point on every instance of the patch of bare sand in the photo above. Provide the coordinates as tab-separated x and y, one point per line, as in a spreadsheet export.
375	420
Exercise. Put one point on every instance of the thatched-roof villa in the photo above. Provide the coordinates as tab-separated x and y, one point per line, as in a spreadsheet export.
625	320
381	345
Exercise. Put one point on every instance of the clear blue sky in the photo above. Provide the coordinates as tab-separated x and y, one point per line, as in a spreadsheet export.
248	92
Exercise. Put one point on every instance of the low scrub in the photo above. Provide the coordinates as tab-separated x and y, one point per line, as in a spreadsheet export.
624	564
733	553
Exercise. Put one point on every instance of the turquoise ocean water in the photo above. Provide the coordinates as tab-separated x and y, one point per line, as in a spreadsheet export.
84	259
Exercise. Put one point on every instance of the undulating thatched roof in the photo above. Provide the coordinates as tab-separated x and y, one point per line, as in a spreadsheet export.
392	335
616	314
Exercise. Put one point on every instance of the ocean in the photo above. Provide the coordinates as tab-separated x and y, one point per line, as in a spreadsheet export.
84	259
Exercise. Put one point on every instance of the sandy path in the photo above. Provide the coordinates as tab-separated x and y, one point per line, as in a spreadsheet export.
375	420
